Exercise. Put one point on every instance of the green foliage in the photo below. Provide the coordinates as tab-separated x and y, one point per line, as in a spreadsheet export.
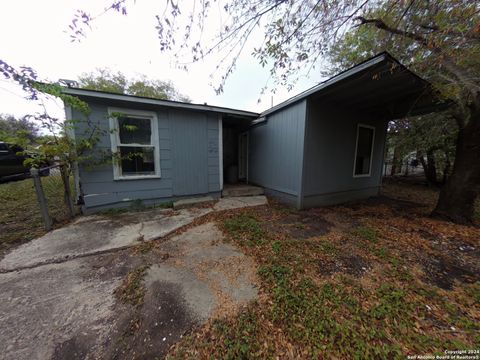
310	316
239	341
246	228
328	248
366	233
277	247
392	304
106	80
12	128
274	272
56	144
20	219
433	134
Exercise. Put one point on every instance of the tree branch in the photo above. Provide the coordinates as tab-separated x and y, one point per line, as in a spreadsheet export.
447	62
380	24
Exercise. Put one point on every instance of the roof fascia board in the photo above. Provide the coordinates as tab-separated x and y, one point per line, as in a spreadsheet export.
352	71
149	101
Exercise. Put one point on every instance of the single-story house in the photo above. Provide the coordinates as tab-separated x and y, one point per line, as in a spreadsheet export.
323	146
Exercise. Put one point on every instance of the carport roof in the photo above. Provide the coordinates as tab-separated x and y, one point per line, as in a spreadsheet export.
380	85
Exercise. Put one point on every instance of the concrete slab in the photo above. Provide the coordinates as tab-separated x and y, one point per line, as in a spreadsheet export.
201	253
42	307
190	202
241	190
240	202
69	310
95	234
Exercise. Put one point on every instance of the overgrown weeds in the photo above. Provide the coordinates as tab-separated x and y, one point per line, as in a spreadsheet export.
132	290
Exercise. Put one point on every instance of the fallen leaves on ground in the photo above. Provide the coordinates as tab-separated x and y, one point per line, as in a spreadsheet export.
371	279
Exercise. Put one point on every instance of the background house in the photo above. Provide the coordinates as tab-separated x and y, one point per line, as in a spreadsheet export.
323	146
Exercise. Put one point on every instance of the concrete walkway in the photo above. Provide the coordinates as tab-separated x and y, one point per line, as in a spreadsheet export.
97	234
58	302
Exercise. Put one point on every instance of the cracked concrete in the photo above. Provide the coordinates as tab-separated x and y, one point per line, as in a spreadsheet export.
97	234
57	299
240	202
50	304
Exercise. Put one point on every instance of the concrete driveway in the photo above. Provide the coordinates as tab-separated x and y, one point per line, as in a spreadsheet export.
58	293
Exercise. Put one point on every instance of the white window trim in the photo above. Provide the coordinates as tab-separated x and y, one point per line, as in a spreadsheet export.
115	141
371	152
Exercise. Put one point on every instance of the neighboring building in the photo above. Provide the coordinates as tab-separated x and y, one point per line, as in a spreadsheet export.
323	146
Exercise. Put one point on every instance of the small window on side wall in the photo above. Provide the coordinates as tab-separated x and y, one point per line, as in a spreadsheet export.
136	144
364	151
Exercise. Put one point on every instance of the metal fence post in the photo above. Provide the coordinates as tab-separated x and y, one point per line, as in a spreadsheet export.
67	192
42	201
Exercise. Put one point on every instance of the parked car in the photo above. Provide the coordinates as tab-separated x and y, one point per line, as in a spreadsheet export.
11	163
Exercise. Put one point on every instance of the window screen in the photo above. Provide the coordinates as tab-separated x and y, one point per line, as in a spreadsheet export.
364	150
134	131
137	160
136	144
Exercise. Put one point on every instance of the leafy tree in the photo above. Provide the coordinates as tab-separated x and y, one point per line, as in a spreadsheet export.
105	80
442	43
432	137
11	127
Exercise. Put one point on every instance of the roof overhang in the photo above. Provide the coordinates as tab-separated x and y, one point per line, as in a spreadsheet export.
106	96
380	85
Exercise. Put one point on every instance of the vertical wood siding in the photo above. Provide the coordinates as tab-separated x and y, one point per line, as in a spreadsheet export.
276	150
330	150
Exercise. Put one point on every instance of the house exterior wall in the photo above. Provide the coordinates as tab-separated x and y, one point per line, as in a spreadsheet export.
330	153
276	153
189	159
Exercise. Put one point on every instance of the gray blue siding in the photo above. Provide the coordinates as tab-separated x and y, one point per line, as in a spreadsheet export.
276	150
329	155
189	160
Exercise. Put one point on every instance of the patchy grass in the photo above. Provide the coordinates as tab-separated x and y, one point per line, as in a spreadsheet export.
132	290
246	229
20	218
366	233
385	281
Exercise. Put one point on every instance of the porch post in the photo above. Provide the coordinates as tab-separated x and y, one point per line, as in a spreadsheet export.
220	150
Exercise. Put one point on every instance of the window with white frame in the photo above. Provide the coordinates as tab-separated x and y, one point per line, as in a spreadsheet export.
364	150
134	138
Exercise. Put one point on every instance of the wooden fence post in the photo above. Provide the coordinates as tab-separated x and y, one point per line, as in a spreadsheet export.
67	192
42	201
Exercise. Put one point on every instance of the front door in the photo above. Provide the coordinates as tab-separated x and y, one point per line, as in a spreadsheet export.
243	156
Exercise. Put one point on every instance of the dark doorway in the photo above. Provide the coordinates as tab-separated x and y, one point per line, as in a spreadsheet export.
235	149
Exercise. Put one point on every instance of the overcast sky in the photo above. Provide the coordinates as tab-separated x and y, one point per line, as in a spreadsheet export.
34	33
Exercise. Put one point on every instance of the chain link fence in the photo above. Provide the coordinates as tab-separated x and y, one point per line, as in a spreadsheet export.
55	197
406	168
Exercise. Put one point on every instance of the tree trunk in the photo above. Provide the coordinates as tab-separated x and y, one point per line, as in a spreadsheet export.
429	167
457	197
394	161
446	170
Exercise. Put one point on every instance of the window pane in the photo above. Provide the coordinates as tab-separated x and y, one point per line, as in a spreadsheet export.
134	131
364	151
137	160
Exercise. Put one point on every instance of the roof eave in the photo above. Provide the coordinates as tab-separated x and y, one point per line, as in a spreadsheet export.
352	71
150	101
